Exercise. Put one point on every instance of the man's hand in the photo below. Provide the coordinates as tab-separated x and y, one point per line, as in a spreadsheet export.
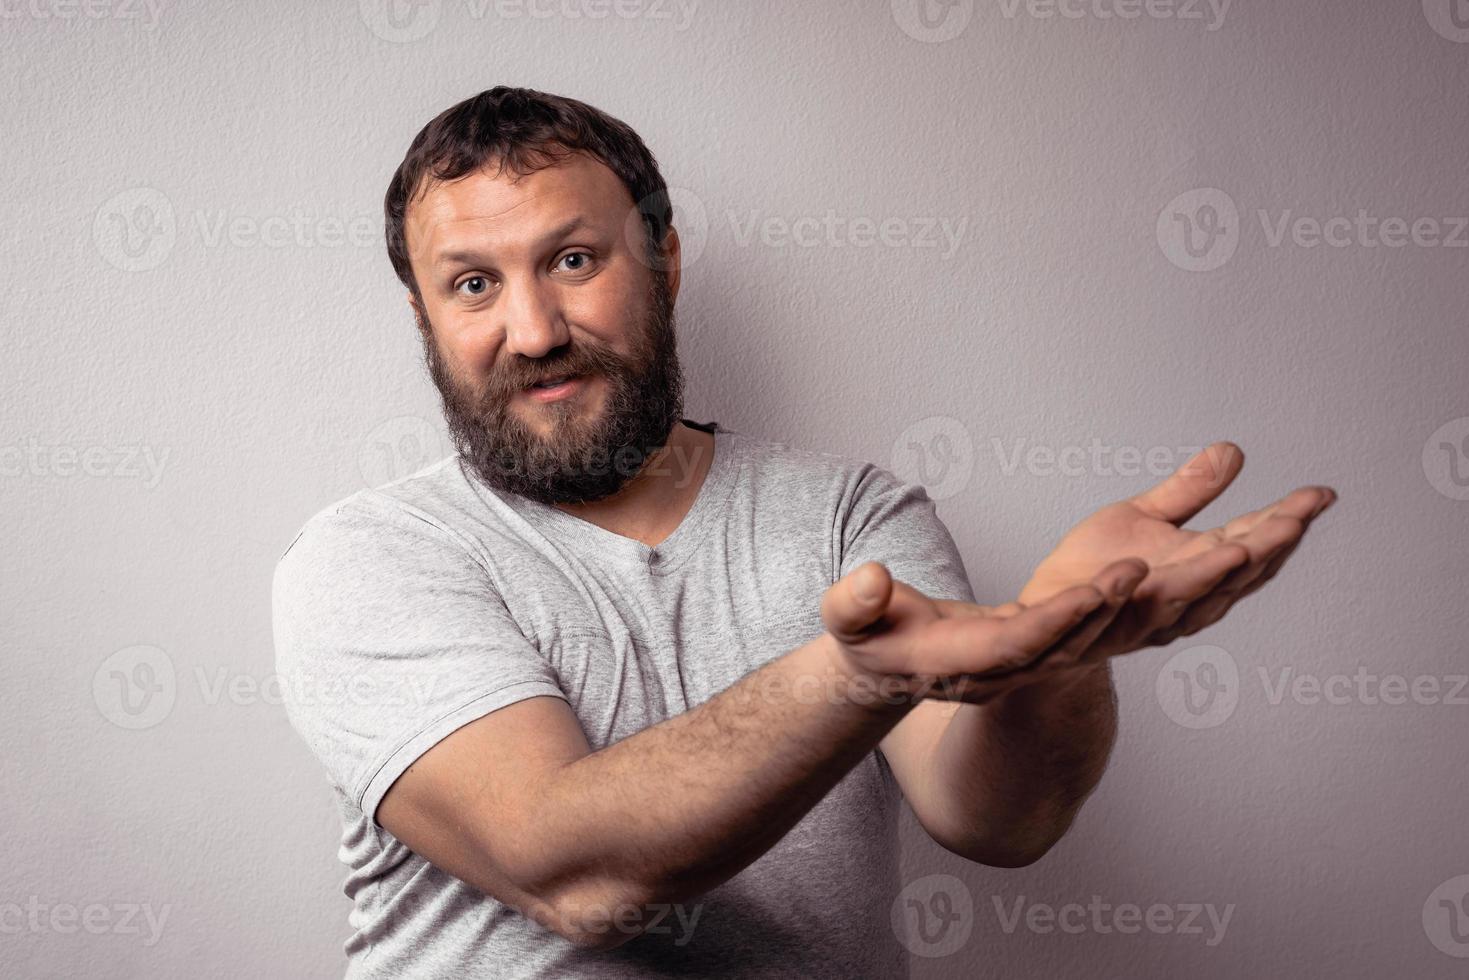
1242	555
1000	784
1126	578
958	651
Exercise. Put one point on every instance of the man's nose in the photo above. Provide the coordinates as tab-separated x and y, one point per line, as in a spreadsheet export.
533	323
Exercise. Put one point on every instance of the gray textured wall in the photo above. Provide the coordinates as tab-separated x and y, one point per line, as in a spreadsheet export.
951	240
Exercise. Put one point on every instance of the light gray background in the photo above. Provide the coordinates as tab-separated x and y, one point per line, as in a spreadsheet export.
247	334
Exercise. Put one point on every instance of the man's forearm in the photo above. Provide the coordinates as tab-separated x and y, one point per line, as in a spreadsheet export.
1016	770
683	805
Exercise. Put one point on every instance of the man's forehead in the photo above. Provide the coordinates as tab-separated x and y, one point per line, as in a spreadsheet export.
490	202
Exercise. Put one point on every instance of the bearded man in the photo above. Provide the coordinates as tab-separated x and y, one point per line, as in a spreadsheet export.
629	695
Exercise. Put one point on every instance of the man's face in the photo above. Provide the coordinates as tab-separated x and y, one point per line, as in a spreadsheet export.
545	276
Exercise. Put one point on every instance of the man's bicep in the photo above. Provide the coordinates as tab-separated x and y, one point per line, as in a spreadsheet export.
469	804
389	638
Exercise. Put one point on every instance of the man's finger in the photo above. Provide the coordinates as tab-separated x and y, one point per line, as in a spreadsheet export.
1303	504
990	647
1271	567
1191	487
1270	545
1167	592
1264	542
857	601
957	607
1116	582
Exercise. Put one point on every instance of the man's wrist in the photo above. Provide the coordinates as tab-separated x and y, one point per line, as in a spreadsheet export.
847	681
1056	690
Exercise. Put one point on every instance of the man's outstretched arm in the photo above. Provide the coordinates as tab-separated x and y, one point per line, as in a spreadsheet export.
517	805
1001	782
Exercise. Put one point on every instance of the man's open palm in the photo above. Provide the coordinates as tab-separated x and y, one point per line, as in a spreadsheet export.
1237	557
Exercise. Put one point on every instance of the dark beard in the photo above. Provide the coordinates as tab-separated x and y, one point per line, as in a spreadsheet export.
580	459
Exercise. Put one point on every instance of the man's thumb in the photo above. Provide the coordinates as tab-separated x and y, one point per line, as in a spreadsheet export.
857	600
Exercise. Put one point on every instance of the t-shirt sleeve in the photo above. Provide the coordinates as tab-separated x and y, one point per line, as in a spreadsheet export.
389	635
887	520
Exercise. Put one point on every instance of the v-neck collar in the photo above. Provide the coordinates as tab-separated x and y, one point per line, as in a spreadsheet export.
598	543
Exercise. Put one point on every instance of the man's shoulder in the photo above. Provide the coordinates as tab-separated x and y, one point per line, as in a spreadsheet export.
804	467
421	503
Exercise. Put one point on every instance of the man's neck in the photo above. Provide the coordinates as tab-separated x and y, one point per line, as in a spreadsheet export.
652	505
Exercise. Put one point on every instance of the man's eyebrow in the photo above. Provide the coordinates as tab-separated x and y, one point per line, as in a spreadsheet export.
473	255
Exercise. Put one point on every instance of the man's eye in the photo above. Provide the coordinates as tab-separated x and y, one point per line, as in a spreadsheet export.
580	260
474	286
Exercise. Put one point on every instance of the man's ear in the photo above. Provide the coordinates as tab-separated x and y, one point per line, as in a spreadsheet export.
418	317
672	261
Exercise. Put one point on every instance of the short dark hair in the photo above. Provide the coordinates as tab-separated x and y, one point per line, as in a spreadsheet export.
522	130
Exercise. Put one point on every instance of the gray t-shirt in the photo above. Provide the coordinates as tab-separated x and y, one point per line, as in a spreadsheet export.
404	612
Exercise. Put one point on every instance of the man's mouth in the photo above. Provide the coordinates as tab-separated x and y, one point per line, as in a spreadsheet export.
553	382
556	389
